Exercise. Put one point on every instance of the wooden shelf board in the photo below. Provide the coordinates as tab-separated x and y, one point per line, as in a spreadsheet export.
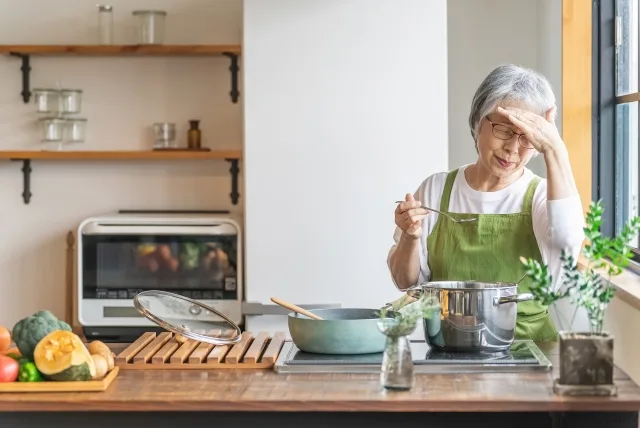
120	155
113	50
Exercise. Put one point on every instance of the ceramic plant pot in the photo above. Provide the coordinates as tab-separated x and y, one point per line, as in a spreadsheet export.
586	364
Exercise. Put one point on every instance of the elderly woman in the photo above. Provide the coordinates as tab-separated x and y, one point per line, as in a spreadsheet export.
518	213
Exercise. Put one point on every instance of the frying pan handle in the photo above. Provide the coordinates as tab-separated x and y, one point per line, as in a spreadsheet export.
410	296
516	298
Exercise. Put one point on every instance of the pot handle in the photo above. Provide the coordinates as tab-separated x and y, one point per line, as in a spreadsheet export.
516	298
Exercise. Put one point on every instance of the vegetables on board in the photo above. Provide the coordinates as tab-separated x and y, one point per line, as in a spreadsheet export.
9	369
99	348
61	356
30	330
101	364
29	372
5	338
15	355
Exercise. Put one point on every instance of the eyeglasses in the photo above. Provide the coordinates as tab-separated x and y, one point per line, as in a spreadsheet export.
503	132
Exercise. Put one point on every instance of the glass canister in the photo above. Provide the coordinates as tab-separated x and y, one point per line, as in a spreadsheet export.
52	129
165	135
71	100
76	130
47	101
150	26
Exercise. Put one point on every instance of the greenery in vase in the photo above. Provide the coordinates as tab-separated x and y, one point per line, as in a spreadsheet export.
587	288
403	321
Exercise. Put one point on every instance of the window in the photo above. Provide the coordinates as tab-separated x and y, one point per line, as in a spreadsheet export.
616	142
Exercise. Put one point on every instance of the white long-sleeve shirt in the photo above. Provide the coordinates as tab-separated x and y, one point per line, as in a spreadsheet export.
557	224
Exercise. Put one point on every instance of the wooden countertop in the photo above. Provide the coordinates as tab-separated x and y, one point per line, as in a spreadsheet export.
264	390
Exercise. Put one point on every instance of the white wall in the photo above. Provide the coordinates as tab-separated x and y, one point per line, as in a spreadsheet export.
122	97
345	112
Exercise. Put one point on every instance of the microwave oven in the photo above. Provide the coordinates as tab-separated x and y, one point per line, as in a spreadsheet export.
119	255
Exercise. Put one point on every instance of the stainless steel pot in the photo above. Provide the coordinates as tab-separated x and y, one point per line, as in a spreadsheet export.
474	316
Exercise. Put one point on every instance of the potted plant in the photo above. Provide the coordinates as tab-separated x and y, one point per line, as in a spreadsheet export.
586	357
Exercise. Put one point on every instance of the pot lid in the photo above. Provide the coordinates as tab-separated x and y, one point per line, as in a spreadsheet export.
187	317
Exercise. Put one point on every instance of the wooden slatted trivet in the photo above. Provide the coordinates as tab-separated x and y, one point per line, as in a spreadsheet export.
162	351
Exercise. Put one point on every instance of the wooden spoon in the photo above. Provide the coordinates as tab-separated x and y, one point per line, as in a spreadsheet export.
295	308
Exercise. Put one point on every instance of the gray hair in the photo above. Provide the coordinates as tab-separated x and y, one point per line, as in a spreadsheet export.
510	83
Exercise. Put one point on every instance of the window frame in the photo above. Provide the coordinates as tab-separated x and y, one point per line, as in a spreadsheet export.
608	170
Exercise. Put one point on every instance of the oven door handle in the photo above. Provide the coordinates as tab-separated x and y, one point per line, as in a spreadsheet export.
254	308
159	229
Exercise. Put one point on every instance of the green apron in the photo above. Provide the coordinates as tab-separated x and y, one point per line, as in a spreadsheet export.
489	249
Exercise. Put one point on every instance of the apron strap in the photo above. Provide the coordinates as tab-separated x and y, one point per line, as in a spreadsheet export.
527	203
446	192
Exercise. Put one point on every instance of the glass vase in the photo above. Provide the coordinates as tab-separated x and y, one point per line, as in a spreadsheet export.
396	372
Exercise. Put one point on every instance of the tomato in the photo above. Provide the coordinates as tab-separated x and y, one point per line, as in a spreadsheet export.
5	338
9	369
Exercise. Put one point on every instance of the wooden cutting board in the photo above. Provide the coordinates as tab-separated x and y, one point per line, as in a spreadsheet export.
48	386
162	351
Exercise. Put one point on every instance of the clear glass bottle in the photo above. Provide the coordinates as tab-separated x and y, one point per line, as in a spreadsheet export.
105	24
396	372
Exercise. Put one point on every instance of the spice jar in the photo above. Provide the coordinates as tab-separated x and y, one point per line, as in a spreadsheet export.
150	26
194	135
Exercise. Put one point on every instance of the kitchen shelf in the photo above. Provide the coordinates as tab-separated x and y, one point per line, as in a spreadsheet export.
231	156
24	52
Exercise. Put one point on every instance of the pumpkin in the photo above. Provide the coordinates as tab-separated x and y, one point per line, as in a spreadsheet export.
61	356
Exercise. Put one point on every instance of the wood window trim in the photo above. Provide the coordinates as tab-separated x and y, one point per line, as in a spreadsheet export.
577	92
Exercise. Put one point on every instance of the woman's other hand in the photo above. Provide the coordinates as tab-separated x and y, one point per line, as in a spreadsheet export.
409	216
541	132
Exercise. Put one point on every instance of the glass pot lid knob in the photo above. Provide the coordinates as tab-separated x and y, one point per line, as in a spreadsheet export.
187	317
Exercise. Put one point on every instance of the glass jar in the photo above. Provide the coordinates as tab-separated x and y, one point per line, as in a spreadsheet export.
71	100
396	372
150	26
105	24
52	129
165	135
76	130
47	101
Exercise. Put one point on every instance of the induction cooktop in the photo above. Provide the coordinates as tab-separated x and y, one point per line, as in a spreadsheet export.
522	356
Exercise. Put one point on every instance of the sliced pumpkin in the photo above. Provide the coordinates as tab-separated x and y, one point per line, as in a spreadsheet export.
61	356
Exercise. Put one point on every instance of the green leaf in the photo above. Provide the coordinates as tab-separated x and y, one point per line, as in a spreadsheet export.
587	288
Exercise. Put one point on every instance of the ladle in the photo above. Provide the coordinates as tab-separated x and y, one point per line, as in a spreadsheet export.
295	308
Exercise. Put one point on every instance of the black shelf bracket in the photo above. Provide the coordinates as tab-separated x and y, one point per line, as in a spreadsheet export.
234	171
26	70
233	68
26	179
